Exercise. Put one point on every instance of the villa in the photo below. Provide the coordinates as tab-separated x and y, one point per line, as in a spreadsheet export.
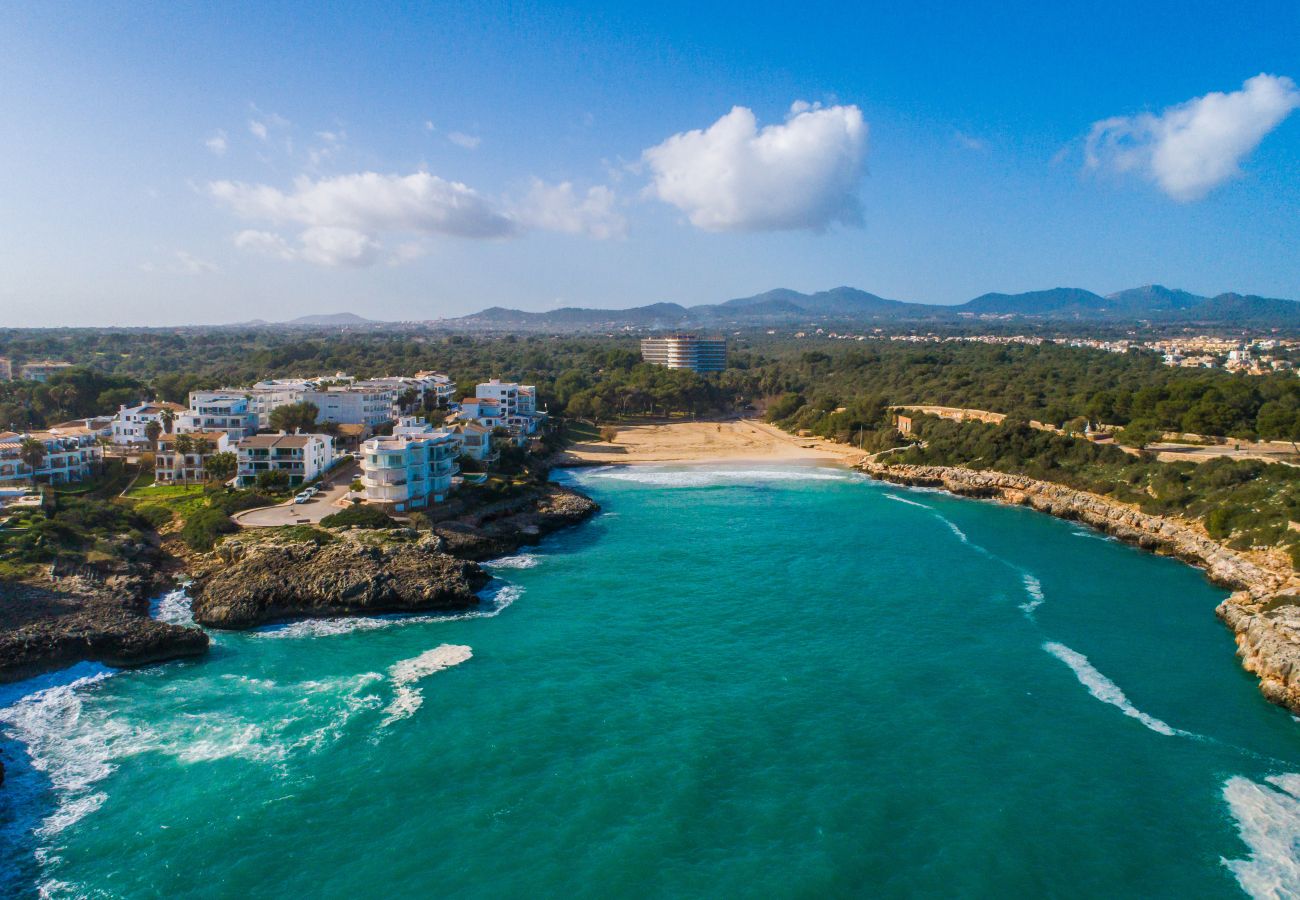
476	441
68	457
300	456
504	404
412	468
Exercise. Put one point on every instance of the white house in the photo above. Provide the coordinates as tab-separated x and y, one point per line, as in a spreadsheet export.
130	422
412	468
182	457
476	441
505	404
300	456
228	411
68	457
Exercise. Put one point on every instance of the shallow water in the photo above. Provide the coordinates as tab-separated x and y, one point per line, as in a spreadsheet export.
758	682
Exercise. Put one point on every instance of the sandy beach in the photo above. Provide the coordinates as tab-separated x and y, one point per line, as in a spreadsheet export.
743	440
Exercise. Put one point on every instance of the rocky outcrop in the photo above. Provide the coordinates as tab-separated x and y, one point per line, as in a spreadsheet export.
504	527
251	583
51	623
1263	613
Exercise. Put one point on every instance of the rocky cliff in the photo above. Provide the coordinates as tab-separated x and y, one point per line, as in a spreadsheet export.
1264	611
503	527
50	623
250	582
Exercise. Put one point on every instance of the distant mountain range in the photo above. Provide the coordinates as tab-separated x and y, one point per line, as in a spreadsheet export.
330	320
1153	303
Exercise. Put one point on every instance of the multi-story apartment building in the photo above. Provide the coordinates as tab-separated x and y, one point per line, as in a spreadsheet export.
441	386
42	370
182	457
411	469
130	422
67	457
300	456
504	404
228	411
353	404
476	441
686	351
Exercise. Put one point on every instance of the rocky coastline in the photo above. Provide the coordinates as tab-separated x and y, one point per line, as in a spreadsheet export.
60	619
1263	612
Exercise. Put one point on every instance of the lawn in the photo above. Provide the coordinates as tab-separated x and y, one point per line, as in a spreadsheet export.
184	499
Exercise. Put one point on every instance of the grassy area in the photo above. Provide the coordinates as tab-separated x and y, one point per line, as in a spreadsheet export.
183	499
577	431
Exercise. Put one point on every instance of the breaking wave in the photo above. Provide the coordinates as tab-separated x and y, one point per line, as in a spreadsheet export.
495	600
521	561
1106	690
908	502
1034	588
174	608
1268	820
406	697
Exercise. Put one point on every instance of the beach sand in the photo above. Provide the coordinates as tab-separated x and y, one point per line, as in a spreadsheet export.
744	440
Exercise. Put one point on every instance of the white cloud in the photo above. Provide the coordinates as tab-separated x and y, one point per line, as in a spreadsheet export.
465	141
218	143
182	262
322	245
558	207
258	129
1192	148
734	177
263	123
264	242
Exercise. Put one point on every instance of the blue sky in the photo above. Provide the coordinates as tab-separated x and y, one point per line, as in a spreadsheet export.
167	164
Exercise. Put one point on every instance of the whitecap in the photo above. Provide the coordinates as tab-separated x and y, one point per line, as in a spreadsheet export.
520	561
1268	821
1034	588
1106	690
407	698
908	502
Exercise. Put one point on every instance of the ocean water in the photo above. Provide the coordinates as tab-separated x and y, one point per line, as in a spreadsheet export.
781	682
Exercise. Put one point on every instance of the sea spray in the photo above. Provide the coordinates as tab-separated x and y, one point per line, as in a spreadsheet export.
1106	690
496	598
406	697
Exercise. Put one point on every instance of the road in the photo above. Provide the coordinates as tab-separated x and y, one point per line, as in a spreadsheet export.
308	513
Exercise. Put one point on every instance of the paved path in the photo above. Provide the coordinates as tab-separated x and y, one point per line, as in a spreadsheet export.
309	513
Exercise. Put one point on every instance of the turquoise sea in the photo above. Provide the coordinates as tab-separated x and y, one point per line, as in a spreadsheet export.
783	682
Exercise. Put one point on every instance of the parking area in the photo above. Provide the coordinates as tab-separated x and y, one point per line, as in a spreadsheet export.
308	513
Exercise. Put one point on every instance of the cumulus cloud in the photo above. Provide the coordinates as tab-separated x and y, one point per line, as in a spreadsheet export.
1192	148
464	141
343	219
732	176
559	207
218	143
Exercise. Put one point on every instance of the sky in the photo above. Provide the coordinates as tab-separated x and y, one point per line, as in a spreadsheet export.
184	163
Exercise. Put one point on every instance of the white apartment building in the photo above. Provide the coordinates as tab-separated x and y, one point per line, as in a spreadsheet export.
440	385
181	457
353	404
411	469
686	351
504	404
68	457
300	456
130	421
476	441
228	411
43	369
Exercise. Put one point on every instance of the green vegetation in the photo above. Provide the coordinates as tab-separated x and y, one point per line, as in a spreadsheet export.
305	534
71	530
272	480
294	417
206	527
360	516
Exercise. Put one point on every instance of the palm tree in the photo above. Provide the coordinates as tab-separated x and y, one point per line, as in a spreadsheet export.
168	417
152	431
182	444
32	452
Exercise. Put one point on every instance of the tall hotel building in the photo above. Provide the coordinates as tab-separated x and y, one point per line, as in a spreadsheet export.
686	351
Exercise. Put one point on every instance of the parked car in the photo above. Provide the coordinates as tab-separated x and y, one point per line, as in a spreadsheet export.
303	497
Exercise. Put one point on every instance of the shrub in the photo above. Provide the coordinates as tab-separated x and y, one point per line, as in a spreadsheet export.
203	529
356	485
155	514
231	502
361	516
608	433
421	522
307	534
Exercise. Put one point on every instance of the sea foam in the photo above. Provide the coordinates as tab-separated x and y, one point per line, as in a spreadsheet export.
908	502
174	608
1268	820
520	561
1106	690
495	600
407	698
1034	588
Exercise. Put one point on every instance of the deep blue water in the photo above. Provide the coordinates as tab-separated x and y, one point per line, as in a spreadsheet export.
749	682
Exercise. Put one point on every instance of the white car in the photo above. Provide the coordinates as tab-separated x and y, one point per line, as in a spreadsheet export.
303	497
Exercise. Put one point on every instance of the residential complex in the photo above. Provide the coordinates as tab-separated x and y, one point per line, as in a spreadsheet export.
131	422
41	370
686	351
300	456
504	404
66	457
412	468
181	457
228	411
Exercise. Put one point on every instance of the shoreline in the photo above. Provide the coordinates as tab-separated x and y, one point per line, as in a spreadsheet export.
1263	611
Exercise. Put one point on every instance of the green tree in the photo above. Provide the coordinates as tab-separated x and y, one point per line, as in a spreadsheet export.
32	452
272	480
168	417
221	466
294	417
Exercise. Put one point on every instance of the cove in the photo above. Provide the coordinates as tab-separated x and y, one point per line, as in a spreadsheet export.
784	681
